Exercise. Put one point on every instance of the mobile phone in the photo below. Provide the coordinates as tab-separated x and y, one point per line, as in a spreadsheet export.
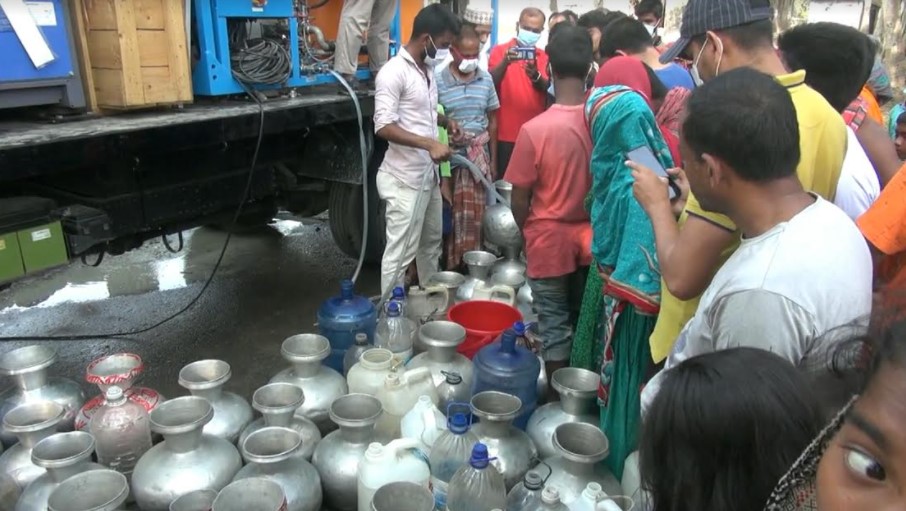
644	156
525	52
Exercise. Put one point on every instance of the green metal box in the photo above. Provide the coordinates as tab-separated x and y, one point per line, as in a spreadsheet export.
43	247
11	266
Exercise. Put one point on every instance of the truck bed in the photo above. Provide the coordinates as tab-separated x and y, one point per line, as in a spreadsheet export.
16	133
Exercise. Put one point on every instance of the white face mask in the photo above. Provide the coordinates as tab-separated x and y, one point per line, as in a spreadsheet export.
652	30
440	55
696	74
468	66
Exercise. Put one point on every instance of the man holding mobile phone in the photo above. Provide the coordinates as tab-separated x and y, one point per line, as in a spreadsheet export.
519	70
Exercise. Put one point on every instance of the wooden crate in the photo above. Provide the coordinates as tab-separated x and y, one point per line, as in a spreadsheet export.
133	52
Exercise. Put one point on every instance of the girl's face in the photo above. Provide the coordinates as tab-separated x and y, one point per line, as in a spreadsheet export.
864	467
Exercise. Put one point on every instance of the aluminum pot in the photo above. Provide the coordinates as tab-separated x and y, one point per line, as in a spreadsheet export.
95	490
271	453
27	367
440	339
337	456
62	455
30	422
187	460
578	389
580	448
451	280
252	494
278	403
508	268
514	451
498	226
479	264
321	384
120	369
200	500
232	413
452	390
402	496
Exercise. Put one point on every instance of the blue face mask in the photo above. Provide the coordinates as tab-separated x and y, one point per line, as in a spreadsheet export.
527	37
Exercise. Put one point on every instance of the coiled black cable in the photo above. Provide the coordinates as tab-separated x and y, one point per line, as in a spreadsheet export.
263	61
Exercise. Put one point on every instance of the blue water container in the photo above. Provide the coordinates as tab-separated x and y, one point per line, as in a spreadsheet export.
340	318
505	367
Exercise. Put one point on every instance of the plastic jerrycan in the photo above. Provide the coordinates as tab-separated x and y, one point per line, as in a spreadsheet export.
384	464
341	317
399	395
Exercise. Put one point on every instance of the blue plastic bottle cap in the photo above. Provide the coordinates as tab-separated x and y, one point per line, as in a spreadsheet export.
479	456
393	310
519	328
399	292
458	423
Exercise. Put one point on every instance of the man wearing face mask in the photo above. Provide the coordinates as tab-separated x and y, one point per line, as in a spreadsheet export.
405	114
468	95
651	13
722	35
519	69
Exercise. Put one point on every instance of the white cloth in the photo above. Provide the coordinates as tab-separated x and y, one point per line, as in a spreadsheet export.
782	292
407	97
858	187
356	17
426	224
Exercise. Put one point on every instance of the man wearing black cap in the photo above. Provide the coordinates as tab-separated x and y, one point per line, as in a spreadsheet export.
720	35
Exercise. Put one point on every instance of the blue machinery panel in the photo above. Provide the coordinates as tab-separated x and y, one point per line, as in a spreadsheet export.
212	75
58	82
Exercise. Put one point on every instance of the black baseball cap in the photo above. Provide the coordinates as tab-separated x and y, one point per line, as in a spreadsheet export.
701	16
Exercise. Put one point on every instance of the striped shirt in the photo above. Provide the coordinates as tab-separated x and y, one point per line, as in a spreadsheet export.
468	102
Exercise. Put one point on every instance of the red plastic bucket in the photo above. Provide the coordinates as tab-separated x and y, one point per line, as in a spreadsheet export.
484	321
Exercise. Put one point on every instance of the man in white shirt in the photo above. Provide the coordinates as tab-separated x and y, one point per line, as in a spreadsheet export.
405	114
802	269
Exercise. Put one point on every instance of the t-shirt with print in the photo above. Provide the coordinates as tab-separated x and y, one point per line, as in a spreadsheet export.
520	101
782	292
551	158
468	101
674	75
822	142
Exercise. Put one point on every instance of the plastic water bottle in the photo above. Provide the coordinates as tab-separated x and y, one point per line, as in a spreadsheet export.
550	500
122	432
477	486
393	333
526	495
398	295
505	367
450	452
354	353
588	501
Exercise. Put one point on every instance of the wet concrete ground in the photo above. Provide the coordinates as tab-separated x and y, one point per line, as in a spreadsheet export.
269	287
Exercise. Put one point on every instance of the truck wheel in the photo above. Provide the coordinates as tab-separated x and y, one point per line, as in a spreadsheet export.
346	212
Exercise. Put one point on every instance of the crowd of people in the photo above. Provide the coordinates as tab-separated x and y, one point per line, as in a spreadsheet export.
716	226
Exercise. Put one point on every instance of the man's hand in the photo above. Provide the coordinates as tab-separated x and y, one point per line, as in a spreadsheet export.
453	130
678	177
531	70
440	152
511	56
649	189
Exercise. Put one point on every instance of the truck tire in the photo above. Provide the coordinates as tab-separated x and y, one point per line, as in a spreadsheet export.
345	214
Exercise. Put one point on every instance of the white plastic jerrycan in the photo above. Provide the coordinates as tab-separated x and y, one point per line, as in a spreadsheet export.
384	464
399	394
423	423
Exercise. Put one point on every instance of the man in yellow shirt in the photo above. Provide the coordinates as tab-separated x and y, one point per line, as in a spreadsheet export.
720	35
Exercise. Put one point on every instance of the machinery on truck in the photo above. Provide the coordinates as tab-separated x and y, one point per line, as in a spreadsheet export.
79	186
